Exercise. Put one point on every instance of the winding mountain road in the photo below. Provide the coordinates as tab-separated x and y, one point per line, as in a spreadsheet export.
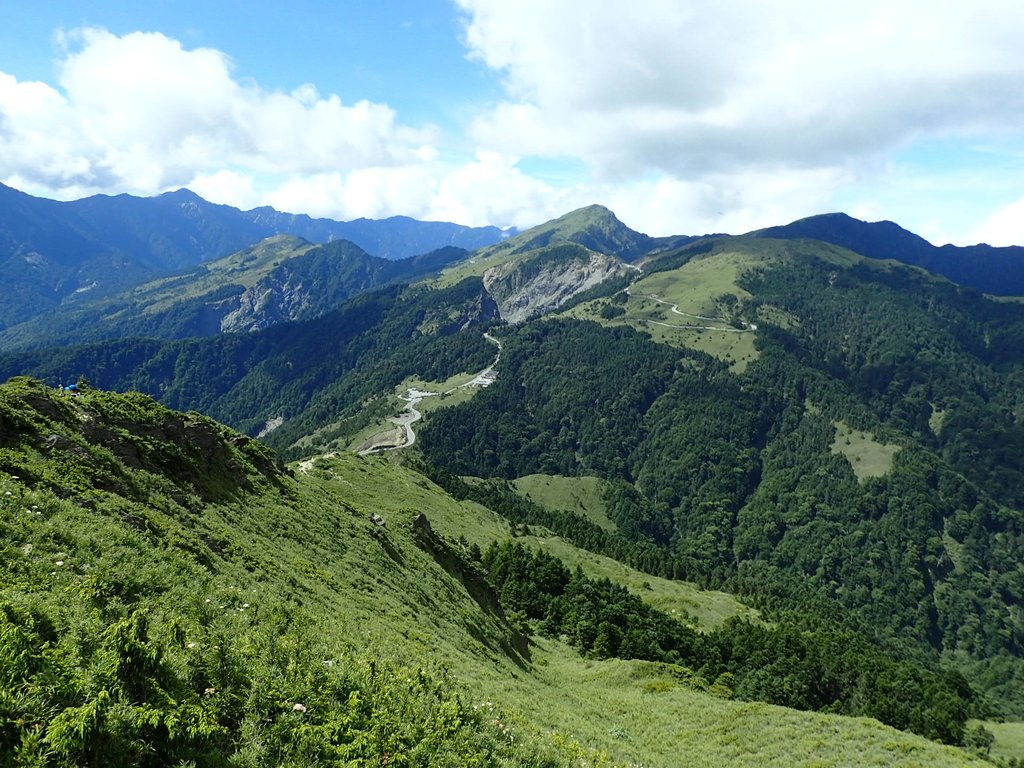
404	436
690	326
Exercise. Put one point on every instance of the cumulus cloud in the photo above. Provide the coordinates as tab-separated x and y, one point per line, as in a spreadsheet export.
140	113
493	189
703	87
683	116
726	202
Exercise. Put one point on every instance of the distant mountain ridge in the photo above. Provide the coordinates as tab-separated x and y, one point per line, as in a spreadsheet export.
280	279
52	252
999	271
396	237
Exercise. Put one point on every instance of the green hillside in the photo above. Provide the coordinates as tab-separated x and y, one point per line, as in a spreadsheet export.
169	594
593	227
765	470
338	369
816	476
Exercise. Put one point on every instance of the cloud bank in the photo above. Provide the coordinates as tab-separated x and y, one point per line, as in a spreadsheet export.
742	107
139	113
684	117
704	87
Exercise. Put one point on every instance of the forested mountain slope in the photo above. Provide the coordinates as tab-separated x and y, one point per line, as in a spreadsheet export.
306	374
864	464
999	271
53	253
277	280
835	439
170	593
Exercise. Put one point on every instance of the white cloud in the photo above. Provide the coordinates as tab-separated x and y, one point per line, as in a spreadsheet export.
707	98
690	88
492	190
1004	226
736	202
228	187
683	116
374	192
488	189
39	139
140	113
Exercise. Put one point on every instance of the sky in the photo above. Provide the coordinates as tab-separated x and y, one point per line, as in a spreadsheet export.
682	116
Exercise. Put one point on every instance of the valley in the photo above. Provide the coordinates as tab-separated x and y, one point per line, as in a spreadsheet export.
579	497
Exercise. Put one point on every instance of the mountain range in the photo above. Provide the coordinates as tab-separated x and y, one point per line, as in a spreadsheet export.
53	253
658	475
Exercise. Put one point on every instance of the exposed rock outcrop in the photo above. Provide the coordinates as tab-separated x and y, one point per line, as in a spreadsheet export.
270	301
530	287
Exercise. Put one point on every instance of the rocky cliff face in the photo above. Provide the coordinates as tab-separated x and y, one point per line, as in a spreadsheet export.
528	288
313	283
271	301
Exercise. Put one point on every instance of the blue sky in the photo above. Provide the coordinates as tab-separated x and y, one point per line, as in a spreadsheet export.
404	53
683	116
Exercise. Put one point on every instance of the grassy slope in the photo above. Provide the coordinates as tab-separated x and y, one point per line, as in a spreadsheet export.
696	288
481	526
867	456
1009	739
631	710
636	711
210	563
581	495
693	287
257	575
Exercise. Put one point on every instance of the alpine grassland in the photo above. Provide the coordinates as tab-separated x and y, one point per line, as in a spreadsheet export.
172	594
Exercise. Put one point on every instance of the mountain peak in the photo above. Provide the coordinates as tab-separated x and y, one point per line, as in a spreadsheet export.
593	226
183	195
840	225
587	216
877	240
